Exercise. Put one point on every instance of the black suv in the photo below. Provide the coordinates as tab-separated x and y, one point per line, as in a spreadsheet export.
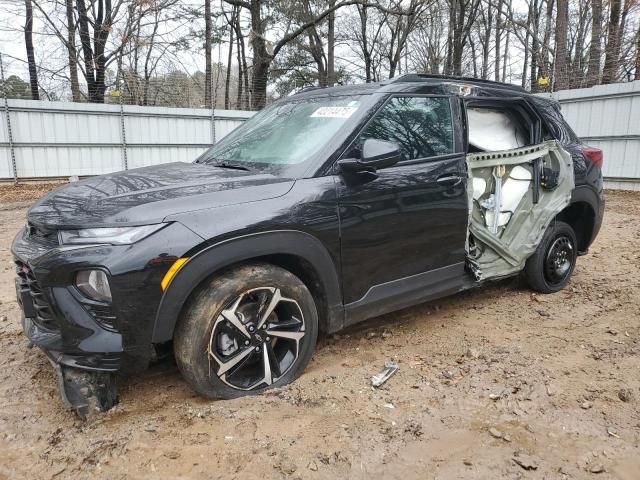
328	207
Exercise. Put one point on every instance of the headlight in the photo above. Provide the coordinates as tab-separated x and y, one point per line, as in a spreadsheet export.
94	284
111	235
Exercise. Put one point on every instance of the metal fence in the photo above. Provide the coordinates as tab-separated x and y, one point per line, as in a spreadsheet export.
608	117
58	139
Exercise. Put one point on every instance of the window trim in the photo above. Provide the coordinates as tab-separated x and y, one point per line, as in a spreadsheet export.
412	161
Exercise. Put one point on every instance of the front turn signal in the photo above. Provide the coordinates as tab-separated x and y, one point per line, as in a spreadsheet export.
171	272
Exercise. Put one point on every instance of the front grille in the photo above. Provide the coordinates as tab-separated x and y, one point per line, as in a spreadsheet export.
44	315
48	238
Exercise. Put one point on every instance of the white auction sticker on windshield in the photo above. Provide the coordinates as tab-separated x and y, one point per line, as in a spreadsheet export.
334	112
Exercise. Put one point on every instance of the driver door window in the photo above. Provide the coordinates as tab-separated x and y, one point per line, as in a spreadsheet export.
421	126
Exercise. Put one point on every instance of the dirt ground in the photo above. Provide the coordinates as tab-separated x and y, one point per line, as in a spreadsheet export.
493	383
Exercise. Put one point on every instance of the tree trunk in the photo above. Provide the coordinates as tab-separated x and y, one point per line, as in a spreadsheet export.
485	44
240	74
87	50
94	57
523	81
31	57
208	76
535	47
543	59
448	67
637	76
261	58
506	52
243	101
73	53
496	72
227	81
363	13
331	47
595	49
611	58
577	64
560	65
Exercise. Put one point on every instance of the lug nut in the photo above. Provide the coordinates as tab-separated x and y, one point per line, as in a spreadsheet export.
267	339
247	342
264	326
257	349
251	328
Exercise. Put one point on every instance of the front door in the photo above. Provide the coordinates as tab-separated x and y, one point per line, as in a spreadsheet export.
403	229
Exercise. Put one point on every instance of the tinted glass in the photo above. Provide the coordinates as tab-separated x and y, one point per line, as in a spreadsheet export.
421	126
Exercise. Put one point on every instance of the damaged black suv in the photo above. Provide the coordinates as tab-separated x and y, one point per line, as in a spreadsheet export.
326	208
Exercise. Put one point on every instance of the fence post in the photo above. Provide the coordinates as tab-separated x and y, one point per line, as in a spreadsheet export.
12	151
123	135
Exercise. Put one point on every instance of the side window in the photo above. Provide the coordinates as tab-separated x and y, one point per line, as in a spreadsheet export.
421	126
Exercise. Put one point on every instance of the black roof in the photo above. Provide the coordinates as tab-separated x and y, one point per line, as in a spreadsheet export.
418	82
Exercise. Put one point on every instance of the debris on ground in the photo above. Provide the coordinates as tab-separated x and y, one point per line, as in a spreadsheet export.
625	394
390	368
526	461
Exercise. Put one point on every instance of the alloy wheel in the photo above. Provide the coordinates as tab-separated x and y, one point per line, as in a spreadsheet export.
255	339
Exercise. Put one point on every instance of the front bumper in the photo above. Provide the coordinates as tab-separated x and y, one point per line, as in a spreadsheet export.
80	333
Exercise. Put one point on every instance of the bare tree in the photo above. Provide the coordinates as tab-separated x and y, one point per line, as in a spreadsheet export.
72	52
560	62
208	75
401	25
610	71
331	46
595	47
31	57
462	15
496	72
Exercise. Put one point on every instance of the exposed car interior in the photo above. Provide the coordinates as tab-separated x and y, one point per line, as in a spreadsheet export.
516	186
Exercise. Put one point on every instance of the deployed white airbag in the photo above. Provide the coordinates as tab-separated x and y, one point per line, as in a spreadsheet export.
490	130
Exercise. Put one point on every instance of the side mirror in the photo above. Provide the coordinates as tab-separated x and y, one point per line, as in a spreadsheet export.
375	154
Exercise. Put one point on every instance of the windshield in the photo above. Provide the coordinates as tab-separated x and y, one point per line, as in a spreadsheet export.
284	134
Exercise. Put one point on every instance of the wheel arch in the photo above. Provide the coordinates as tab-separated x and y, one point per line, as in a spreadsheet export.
298	252
584	214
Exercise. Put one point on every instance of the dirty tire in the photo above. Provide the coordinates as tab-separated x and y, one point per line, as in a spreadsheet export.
549	269
203	317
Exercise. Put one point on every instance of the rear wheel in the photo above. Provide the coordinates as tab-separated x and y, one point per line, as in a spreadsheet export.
549	269
249	329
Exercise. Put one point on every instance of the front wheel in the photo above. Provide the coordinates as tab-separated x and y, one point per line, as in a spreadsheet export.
251	328
549	269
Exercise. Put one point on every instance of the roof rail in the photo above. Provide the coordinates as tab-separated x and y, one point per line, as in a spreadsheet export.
310	88
421	77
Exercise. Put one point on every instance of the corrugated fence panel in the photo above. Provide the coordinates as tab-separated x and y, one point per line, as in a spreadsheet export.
56	139
63	139
5	154
608	117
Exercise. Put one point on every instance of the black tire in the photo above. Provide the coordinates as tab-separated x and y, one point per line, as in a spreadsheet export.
549	269
207	331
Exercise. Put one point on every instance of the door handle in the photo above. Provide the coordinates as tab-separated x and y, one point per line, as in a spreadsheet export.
449	180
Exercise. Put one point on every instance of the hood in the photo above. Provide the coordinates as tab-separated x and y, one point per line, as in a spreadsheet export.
148	195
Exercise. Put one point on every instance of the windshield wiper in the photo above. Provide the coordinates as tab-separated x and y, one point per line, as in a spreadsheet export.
232	166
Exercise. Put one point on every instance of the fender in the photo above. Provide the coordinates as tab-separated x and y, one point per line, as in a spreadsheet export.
587	194
246	247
